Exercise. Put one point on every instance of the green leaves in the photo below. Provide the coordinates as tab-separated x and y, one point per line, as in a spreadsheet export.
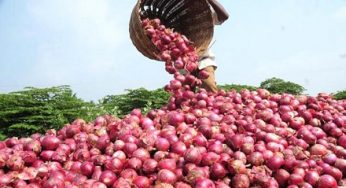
144	99
340	95
23	129
36	110
32	110
237	87
277	85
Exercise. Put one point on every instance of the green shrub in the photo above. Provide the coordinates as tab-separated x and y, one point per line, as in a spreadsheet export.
36	110
237	87
277	85
144	99
341	95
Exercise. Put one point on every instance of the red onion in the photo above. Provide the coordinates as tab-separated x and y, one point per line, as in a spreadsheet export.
240	181
107	177
255	158
210	158
134	163
15	163
329	158
275	162
129	148
236	167
218	171
295	179
50	142
162	144
216	147
327	181
193	155
141	182
119	145
238	155
128	174
150	165
282	177
166	176
204	183
169	164
236	141
182	185
175	118
141	154
33	145
342	141
97	173
54	182
318	149
341	165
179	148
87	168
5	179
312	177
114	164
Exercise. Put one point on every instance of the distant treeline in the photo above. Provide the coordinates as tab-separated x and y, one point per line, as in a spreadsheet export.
32	110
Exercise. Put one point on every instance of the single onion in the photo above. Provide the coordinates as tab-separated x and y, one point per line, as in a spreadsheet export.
50	142
166	176
107	177
327	181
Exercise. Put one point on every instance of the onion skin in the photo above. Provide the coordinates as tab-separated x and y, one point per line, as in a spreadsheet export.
218	171
107	177
282	177
166	176
240	181
204	183
50	142
193	155
275	162
327	181
141	182
312	177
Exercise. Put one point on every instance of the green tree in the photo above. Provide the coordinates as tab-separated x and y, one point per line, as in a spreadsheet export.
340	95
237	87
36	110
144	99
277	85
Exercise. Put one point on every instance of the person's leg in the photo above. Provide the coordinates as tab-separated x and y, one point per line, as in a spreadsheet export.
210	84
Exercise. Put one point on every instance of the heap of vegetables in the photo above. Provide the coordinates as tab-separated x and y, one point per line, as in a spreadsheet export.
200	139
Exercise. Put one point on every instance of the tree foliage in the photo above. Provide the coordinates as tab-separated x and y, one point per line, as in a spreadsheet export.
144	99
237	87
277	85
341	95
36	110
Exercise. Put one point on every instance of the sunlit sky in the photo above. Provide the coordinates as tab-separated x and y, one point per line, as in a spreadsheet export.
86	44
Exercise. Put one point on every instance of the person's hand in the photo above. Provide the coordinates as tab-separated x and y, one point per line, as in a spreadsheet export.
221	12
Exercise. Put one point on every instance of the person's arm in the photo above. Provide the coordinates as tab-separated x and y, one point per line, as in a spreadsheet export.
221	12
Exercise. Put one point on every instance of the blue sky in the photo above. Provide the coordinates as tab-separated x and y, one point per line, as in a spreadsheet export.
85	44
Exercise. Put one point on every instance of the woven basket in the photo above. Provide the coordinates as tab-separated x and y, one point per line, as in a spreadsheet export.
192	18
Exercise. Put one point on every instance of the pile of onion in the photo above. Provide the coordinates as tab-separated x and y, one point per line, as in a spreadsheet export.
200	139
